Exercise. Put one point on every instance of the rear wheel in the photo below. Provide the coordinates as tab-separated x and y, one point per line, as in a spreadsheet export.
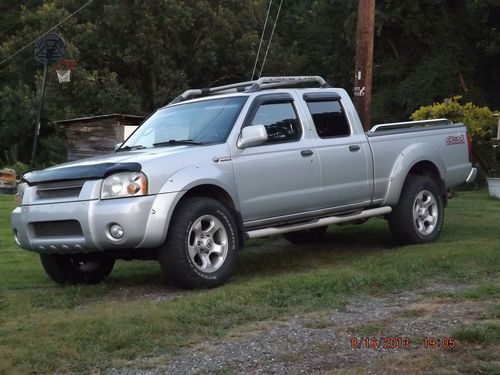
76	269
306	236
201	249
418	218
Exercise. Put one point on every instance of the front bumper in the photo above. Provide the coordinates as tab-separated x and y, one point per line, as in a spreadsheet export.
144	221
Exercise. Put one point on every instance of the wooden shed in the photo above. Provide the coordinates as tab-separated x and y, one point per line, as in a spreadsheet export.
96	135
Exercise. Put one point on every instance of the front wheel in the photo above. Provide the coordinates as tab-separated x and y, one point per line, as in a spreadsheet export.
418	217
76	269
201	249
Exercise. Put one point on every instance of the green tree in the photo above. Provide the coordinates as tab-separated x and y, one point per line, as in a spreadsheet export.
424	51
428	50
134	56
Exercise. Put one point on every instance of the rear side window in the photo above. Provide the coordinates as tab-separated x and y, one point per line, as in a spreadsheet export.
280	121
329	118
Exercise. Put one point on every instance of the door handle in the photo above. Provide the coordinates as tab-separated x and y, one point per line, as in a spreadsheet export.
354	148
306	153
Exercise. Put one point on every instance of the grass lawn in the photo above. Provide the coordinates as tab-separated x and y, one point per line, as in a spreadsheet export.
46	328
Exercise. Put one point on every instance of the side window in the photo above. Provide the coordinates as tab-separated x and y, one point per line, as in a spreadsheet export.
280	120
329	118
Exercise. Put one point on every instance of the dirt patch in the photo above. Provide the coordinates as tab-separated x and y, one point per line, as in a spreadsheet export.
145	292
323	343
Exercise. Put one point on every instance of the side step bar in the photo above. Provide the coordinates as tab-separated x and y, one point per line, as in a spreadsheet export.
264	232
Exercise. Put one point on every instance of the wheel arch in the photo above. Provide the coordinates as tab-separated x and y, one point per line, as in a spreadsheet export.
429	169
416	161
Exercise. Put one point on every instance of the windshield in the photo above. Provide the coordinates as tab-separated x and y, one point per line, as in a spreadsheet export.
207	121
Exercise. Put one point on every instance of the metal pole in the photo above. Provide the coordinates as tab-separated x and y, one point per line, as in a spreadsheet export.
364	61
38	118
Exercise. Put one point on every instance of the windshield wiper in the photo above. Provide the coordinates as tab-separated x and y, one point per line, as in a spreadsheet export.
174	142
128	148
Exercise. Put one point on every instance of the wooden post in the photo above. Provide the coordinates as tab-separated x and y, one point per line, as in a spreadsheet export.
364	61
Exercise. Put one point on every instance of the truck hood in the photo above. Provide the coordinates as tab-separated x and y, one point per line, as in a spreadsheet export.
173	158
135	156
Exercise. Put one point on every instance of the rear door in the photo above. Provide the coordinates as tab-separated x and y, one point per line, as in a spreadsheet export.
344	154
281	176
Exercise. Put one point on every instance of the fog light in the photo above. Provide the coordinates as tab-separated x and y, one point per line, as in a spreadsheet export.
116	231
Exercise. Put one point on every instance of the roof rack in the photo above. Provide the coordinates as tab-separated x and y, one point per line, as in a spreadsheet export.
252	86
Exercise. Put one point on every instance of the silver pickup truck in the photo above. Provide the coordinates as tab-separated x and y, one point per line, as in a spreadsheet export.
279	155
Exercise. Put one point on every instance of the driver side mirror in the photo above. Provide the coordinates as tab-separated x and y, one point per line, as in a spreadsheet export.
253	135
118	145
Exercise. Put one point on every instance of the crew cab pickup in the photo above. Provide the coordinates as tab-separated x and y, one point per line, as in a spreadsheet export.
217	166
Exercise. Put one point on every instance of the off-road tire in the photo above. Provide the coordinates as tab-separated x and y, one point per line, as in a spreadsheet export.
176	255
76	269
306	236
409	215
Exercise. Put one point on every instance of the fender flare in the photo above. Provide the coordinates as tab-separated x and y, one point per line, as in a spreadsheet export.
186	179
405	161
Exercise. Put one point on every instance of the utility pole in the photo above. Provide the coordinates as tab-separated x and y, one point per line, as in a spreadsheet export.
364	61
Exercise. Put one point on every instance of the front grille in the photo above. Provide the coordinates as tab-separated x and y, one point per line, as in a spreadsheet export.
60	228
61	189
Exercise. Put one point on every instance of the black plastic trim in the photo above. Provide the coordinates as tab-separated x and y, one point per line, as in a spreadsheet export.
272	99
320	96
266	99
89	172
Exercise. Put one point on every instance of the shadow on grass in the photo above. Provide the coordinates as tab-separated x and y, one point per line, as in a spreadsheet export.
267	257
272	256
261	258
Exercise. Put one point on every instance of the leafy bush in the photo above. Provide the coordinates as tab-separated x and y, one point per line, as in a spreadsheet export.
479	121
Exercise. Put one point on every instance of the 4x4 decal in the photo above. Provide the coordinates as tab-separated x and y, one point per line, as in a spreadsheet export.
455	139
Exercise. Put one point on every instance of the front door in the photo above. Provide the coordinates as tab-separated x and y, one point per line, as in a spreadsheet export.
282	176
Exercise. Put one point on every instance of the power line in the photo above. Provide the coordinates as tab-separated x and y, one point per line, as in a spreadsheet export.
45	33
261	39
270	39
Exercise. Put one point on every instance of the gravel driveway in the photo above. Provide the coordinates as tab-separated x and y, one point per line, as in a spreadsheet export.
322	343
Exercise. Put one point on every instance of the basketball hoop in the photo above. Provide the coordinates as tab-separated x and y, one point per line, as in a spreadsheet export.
63	70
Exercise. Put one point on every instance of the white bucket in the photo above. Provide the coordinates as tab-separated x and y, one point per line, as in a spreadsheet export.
494	187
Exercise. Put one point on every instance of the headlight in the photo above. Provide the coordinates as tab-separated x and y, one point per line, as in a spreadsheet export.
125	184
